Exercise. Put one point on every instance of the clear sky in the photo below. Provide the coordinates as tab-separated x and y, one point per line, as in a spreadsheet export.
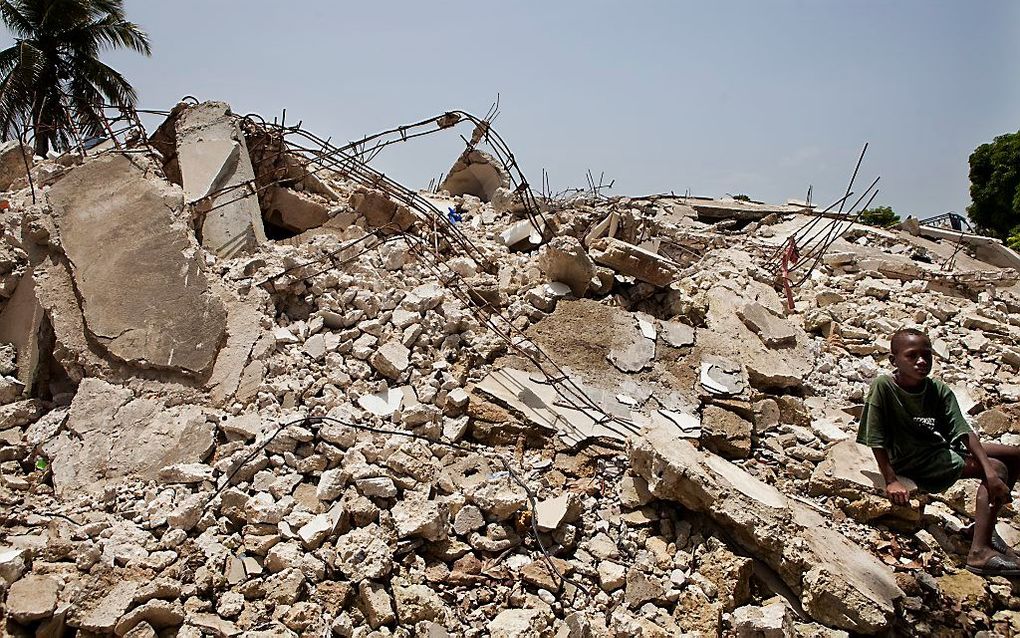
757	96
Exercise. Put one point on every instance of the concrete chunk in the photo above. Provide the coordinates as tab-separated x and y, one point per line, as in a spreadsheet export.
840	584
628	259
141	281
774	331
564	259
13	159
32	598
476	173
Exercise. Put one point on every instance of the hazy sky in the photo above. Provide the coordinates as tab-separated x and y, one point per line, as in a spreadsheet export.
761	96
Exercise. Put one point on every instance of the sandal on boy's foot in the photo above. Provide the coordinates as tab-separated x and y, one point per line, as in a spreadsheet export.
997	565
998	543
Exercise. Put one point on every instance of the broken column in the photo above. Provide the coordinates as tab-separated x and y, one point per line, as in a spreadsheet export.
476	173
215	167
136	268
839	583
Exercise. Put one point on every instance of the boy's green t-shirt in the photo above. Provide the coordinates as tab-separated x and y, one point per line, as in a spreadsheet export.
923	432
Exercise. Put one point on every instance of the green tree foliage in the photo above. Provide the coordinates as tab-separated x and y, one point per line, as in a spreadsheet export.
995	185
881	216
742	198
51	80
1013	241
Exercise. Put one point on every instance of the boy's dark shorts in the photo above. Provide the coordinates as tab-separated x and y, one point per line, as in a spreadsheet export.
943	470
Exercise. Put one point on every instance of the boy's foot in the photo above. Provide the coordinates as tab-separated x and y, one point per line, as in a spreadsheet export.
998	543
995	565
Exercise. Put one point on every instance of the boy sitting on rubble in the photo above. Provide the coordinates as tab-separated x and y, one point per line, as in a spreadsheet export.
916	430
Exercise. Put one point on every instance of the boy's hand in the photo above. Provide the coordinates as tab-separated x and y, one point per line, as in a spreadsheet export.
998	491
899	494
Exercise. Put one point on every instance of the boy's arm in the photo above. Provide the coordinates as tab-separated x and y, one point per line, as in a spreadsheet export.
998	491
896	491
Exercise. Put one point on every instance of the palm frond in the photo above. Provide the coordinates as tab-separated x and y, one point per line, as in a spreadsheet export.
16	21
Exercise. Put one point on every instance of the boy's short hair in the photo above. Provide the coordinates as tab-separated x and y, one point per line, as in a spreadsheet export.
905	332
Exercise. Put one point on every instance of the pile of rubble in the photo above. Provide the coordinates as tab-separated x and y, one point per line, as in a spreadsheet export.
249	388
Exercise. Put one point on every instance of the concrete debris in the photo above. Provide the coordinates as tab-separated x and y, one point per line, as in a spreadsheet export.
243	393
564	259
839	583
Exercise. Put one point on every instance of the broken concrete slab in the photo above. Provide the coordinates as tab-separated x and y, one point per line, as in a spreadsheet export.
476	173
536	399
244	328
839	583
727	336
775	332
139	275
722	377
676	334
849	471
110	434
216	168
634	261
564	259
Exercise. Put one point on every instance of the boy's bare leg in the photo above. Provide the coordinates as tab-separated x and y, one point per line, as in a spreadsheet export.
1010	457
986	512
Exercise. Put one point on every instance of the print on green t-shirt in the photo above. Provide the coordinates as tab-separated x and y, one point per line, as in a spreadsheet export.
923	432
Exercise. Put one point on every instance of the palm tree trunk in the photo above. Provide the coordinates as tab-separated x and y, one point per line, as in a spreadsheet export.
41	130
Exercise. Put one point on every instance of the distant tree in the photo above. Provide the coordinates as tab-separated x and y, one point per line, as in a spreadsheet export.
995	185
742	198
53	69
1013	241
881	216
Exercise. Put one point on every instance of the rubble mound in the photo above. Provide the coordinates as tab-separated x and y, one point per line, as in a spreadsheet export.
252	388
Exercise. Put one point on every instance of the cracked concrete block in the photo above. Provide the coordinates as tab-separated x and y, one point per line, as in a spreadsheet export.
775	332
136	269
215	164
840	584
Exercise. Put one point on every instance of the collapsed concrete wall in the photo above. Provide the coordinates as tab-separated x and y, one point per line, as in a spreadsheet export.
136	268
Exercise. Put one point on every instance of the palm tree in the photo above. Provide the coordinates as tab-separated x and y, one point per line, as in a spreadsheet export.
52	80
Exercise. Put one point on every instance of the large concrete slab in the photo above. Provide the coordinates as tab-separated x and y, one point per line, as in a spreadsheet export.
111	434
136	267
840	584
216	168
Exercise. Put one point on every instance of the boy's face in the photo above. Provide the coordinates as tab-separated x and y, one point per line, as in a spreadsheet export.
912	357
